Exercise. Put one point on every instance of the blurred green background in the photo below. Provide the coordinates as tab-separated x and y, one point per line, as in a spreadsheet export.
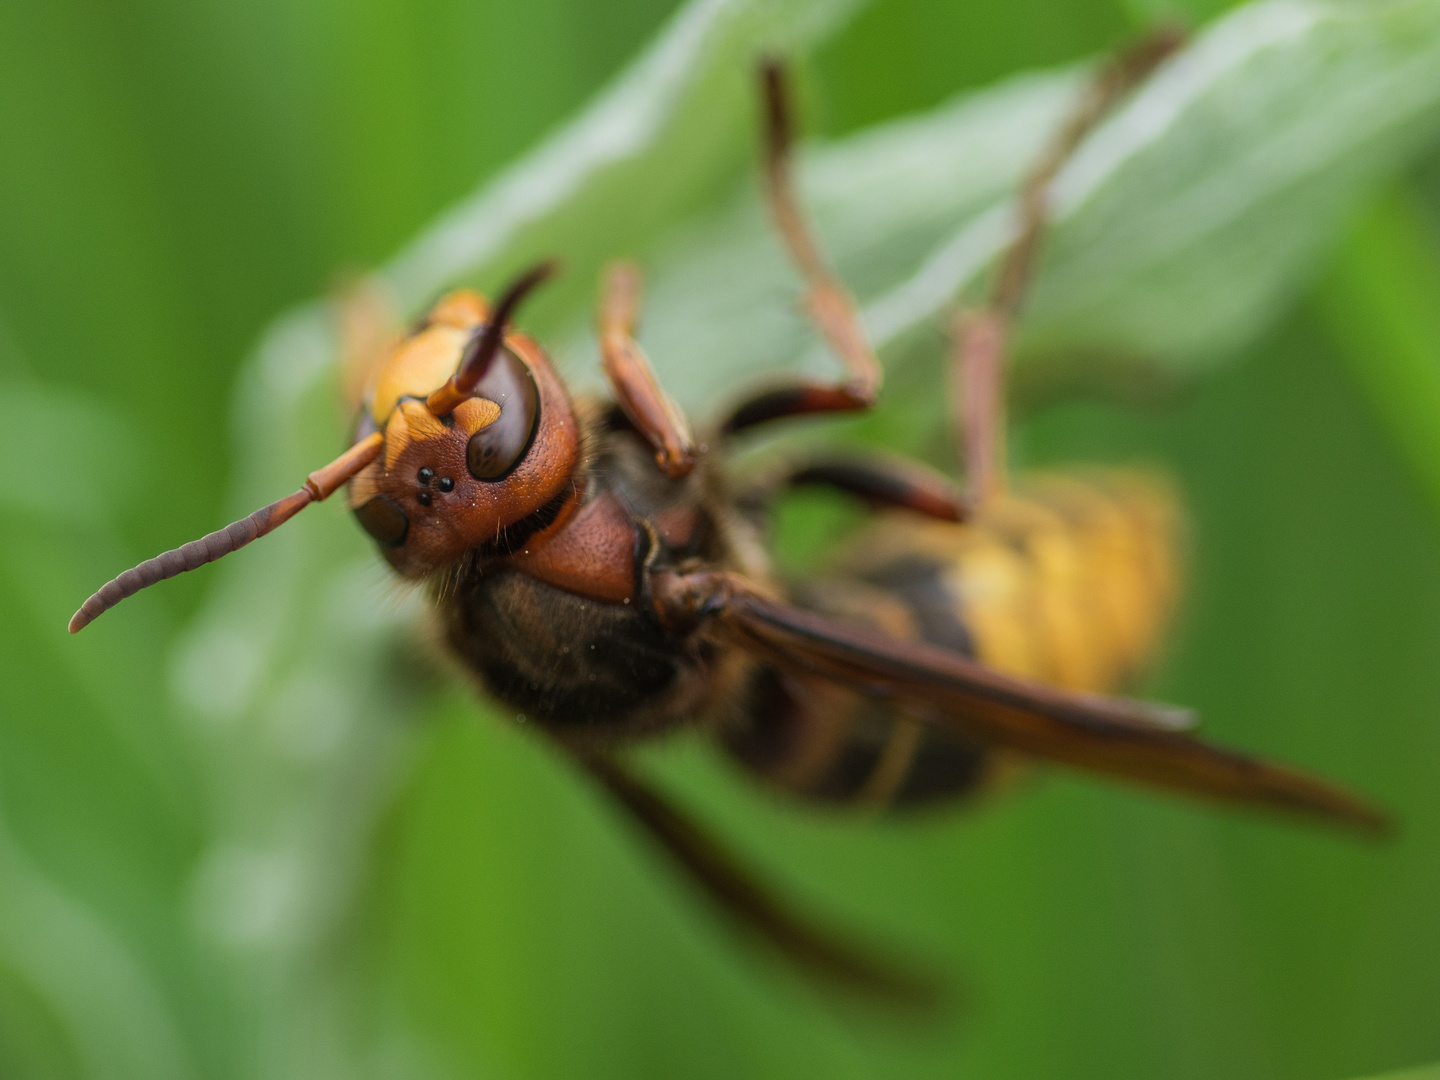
177	173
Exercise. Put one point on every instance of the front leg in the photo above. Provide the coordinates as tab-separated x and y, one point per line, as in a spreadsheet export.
637	390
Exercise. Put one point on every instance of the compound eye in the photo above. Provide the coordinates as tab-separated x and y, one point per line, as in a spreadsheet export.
494	451
383	519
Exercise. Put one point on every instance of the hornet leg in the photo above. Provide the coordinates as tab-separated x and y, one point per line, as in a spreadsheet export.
639	393
828	304
752	905
981	334
880	481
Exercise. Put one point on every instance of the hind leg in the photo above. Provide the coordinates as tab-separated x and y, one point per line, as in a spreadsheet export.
981	335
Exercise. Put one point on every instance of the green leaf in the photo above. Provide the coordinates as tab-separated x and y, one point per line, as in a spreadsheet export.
659	137
222	917
1431	1072
1381	301
87	975
1183	227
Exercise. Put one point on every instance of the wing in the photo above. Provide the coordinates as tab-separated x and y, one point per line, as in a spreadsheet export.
818	953
1128	739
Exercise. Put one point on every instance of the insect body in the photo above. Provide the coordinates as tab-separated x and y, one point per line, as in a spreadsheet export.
1069	584
597	571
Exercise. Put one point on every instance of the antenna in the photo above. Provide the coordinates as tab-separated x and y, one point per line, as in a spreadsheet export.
462	384
319	485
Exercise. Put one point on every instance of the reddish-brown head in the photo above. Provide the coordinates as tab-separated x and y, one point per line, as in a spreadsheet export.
480	440
468	442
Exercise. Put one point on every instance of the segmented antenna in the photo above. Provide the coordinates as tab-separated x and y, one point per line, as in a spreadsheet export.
319	485
462	384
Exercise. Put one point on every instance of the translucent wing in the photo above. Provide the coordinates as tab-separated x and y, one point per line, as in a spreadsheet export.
1129	739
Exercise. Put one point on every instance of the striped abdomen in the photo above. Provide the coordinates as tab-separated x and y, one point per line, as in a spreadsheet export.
1070	581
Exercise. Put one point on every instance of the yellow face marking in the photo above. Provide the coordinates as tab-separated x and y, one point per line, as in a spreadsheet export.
410	421
423	424
397	437
418	367
474	414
